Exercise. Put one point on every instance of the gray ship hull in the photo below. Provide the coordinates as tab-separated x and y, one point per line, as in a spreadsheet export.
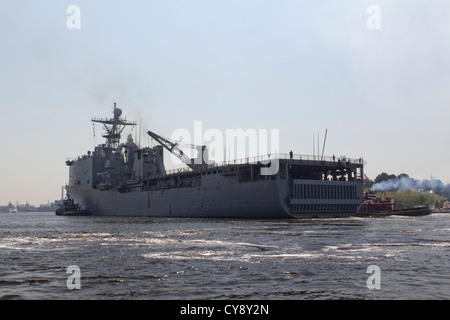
260	199
222	197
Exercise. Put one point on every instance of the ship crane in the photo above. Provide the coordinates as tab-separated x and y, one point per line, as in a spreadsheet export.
175	150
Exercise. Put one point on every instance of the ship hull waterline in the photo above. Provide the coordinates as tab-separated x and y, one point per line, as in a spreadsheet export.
261	200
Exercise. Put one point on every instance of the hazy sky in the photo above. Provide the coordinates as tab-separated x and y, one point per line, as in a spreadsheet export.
300	66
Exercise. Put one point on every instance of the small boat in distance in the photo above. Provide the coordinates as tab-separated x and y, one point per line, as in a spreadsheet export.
69	208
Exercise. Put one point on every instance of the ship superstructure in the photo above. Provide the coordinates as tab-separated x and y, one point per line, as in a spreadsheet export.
124	179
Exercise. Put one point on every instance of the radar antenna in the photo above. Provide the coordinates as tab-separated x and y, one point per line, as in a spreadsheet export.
114	127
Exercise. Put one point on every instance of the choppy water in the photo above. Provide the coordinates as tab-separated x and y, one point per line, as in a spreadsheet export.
159	258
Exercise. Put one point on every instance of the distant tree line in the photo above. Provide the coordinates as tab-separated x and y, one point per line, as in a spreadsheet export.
384	176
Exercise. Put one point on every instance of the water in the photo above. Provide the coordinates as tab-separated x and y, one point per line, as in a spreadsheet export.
167	258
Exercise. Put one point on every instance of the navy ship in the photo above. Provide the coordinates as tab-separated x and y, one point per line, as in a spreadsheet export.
122	179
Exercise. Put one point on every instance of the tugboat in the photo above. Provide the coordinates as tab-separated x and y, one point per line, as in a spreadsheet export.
69	208
374	206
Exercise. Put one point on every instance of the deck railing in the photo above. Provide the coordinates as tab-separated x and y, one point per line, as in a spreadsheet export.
268	157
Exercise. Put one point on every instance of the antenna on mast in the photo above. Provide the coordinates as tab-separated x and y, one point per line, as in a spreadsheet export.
324	141
114	127
318	150
314	144
140	131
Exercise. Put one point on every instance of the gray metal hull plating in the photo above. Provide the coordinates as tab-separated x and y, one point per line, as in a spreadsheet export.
260	199
270	199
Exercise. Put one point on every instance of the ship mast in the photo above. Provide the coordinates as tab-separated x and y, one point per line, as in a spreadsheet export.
114	127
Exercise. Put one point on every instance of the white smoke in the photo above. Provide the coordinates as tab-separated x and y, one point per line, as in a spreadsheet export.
407	183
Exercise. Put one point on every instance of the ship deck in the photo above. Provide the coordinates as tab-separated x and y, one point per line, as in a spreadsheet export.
318	162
